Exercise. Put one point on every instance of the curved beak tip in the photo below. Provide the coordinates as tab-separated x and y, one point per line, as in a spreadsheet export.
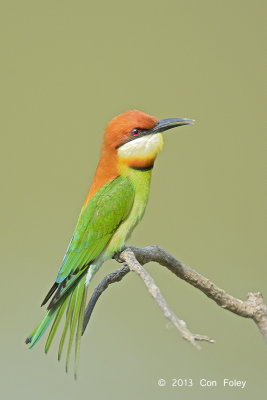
188	121
169	123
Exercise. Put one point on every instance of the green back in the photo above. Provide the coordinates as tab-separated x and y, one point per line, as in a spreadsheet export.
96	225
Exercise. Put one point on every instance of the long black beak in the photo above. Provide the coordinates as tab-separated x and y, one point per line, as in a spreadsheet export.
169	123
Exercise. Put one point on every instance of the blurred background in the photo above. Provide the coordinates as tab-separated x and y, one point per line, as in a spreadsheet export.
68	67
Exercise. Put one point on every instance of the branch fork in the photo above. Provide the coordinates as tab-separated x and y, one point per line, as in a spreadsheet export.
134	259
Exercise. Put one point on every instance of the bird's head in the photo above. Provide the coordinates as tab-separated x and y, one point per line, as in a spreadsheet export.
137	137
132	139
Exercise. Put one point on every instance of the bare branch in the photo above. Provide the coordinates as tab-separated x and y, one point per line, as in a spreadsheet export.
128	256
253	307
115	276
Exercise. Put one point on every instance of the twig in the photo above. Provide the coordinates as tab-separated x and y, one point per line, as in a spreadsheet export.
115	276
134	265
253	307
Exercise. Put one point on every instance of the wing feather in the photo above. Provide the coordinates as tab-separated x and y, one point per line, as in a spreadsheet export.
96	225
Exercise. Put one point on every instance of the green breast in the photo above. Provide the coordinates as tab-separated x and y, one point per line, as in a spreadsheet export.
141	183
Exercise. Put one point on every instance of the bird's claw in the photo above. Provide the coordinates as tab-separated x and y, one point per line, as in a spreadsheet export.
116	256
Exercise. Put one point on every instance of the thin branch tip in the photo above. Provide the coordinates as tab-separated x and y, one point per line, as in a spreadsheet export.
135	257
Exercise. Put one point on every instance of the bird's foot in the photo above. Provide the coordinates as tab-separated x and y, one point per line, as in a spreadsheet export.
116	256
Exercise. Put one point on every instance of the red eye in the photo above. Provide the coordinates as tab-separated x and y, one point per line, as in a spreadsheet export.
135	131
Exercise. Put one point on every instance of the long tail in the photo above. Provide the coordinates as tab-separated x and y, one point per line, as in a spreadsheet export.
76	301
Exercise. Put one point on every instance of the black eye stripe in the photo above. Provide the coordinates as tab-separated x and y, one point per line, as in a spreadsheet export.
142	132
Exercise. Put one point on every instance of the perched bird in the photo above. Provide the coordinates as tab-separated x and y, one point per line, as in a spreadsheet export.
114	205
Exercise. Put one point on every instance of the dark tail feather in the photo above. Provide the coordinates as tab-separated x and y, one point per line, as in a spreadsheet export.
74	300
49	294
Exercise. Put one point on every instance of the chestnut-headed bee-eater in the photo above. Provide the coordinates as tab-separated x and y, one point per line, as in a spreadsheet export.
114	205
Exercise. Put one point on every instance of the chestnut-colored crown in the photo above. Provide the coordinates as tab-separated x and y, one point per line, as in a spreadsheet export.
118	131
119	128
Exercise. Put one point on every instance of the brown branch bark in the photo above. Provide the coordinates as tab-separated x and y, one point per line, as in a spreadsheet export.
135	257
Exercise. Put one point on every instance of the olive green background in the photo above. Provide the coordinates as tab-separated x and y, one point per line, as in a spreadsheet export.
68	67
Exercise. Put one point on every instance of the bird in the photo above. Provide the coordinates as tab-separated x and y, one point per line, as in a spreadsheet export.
114	205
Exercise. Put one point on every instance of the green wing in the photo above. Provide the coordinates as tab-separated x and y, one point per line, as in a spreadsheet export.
96	225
